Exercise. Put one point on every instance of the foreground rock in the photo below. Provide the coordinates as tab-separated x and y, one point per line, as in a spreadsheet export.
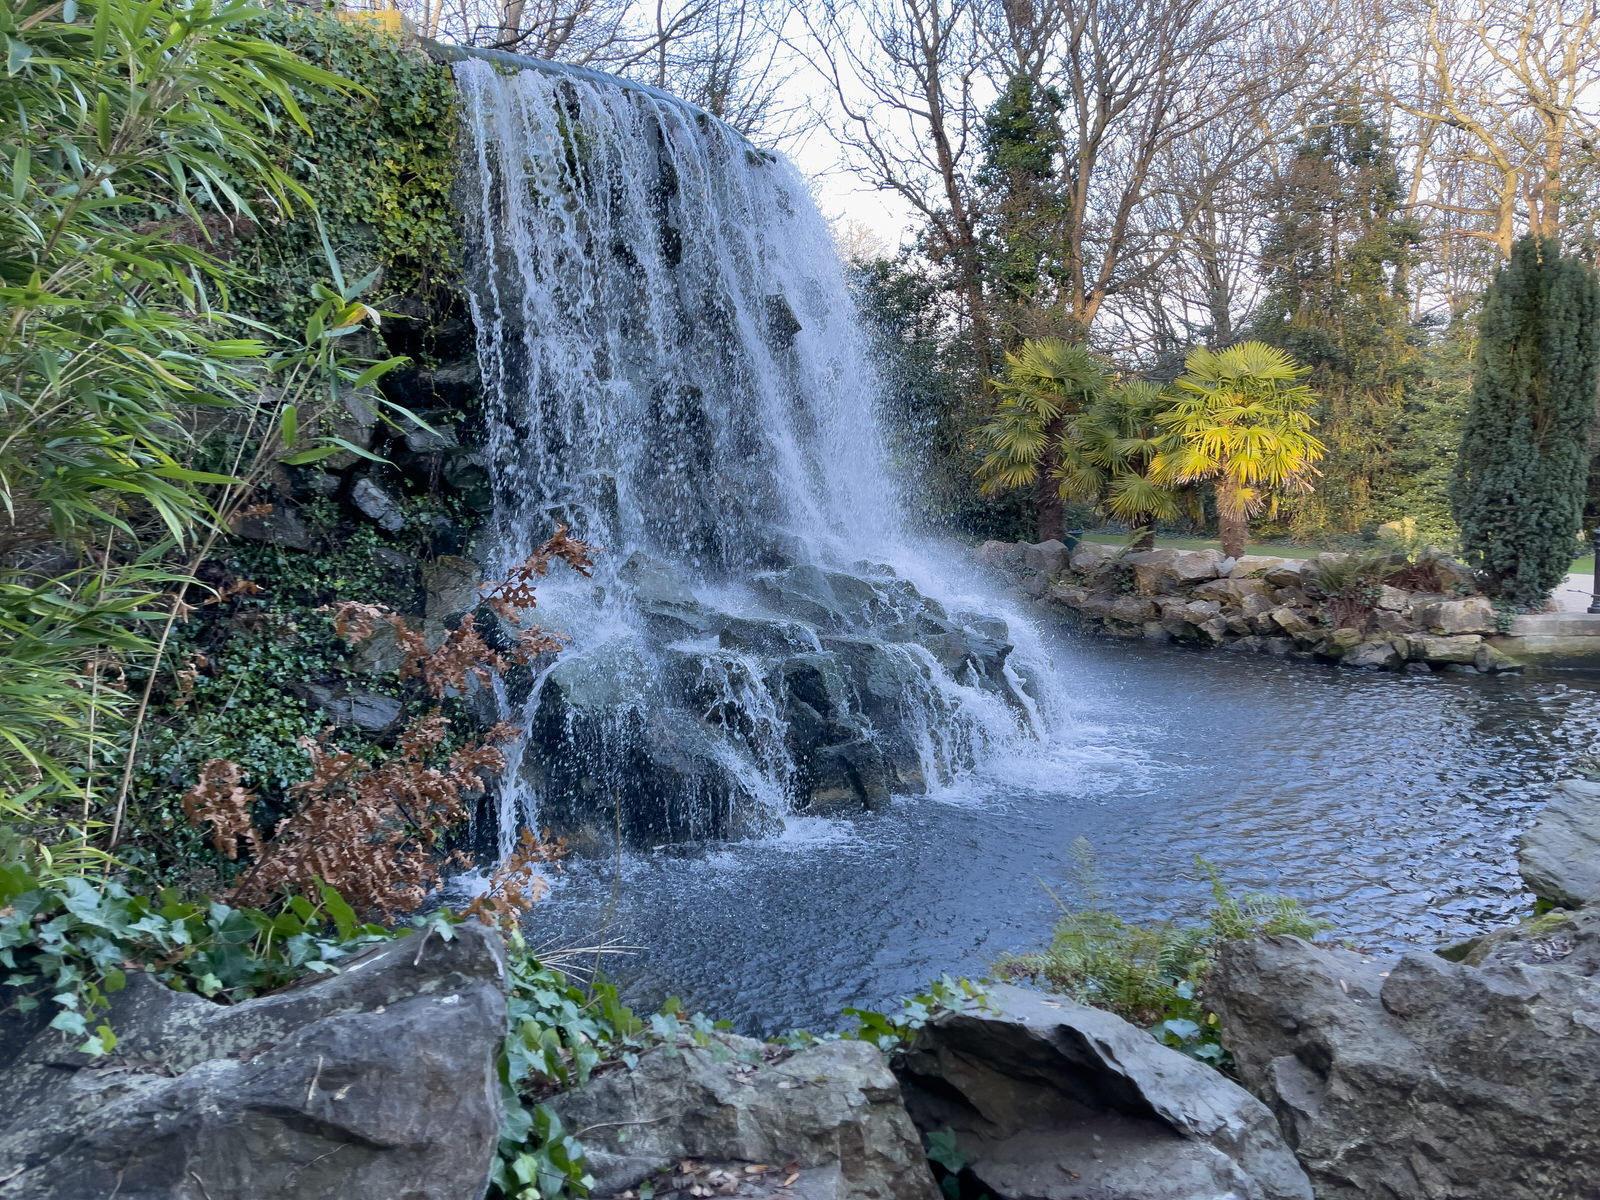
1560	856
1056	1101
375	1084
828	1117
1425	1078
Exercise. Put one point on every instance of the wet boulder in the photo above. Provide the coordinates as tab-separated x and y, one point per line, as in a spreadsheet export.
1377	653
1560	856
1002	556
1462	649
375	1083
608	746
849	777
1047	1099
662	596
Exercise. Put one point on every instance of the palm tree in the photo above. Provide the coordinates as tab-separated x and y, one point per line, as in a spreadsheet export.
1240	417
1106	452
1047	380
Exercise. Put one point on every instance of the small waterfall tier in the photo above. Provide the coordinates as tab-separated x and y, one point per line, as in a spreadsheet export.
672	367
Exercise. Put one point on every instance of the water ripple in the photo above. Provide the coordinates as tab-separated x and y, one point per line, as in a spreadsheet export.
1388	804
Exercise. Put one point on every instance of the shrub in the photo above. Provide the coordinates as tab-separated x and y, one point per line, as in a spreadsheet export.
373	829
1151	975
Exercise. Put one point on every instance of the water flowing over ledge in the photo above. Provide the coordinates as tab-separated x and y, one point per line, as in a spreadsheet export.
673	367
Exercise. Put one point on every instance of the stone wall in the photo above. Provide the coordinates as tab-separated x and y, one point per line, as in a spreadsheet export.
1254	603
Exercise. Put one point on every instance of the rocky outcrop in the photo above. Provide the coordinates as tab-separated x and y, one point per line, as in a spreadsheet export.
1255	602
377	1083
1050	1100
823	679
1560	856
750	1117
1423	1078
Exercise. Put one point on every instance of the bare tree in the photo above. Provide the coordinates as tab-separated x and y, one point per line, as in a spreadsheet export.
1506	91
1149	87
727	56
905	77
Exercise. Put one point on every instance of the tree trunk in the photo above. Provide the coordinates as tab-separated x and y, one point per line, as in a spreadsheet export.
1232	525
1052	520
1144	536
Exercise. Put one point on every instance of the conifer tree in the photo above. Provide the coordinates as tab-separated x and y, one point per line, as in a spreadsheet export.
1338	258
1024	205
1519	482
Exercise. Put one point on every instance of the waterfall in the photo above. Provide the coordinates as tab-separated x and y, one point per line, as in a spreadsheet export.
672	366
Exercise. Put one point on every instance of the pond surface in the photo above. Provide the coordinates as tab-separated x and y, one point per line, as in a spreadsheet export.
1389	804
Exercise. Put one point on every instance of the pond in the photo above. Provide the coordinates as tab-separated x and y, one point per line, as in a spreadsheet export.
1389	804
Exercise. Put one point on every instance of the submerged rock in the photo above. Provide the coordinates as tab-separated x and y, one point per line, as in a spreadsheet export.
1421	1078
832	1110
373	1084
1052	1100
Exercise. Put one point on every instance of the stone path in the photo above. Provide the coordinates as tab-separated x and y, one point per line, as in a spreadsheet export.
1574	594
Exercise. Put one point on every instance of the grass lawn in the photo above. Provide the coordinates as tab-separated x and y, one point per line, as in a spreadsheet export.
1178	543
1581	566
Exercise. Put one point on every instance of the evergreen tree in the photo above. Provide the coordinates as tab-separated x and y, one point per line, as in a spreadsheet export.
1338	258
1520	474
1023	206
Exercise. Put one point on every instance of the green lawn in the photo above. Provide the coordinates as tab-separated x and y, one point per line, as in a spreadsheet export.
1178	543
1581	566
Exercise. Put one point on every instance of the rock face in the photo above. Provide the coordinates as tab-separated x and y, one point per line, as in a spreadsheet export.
374	1084
451	584
1560	856
1056	1101
280	526
832	1109
821	689
378	505
1423	1078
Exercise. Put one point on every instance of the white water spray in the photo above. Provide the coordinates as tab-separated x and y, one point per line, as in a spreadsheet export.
672	366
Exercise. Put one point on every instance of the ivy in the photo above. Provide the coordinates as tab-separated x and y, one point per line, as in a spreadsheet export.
66	946
379	166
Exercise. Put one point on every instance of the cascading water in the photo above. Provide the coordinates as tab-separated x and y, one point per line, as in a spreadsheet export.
672	366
